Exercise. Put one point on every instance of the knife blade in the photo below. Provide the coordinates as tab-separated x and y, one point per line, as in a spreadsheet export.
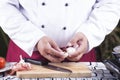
47	65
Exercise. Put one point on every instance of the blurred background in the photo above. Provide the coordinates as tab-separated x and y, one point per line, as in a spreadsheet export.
103	51
4	41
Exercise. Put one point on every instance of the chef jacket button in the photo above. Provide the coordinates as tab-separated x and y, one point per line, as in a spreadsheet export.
43	3
66	4
64	28
43	26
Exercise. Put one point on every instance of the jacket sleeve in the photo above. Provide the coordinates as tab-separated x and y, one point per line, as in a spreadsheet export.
19	29
101	21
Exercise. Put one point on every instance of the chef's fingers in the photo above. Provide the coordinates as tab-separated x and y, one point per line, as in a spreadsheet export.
72	43
75	39
56	53
55	50
80	49
77	58
48	49
76	55
47	54
45	41
54	45
52	58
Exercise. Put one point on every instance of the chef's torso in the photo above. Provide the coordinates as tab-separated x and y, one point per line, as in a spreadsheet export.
59	19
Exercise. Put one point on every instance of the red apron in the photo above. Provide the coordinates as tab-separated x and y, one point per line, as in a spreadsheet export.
14	51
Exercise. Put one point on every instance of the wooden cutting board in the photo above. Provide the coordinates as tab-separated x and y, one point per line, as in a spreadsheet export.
79	69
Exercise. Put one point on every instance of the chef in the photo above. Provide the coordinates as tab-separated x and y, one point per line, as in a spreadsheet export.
40	29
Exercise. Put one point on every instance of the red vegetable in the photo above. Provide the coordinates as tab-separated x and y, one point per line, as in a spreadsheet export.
2	62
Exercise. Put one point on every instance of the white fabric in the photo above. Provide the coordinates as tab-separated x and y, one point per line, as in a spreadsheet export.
22	20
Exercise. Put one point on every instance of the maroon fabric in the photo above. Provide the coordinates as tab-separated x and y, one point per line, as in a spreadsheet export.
14	51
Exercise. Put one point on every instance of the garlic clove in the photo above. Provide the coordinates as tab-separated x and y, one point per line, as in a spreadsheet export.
70	50
66	54
21	59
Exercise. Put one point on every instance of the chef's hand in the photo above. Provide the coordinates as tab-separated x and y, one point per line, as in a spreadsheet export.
49	50
80	42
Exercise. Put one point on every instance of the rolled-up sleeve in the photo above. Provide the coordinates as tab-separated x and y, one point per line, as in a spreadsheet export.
19	29
101	21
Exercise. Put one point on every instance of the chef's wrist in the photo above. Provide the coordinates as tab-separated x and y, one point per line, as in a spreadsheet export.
37	44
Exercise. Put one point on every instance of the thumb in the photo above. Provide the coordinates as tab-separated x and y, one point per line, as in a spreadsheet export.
54	45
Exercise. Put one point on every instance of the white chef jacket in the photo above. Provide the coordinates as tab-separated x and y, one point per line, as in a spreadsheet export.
26	21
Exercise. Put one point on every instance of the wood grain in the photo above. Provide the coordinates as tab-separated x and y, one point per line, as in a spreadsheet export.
79	69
